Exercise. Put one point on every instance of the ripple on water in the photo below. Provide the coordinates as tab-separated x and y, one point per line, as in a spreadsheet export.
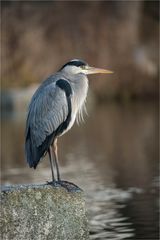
106	221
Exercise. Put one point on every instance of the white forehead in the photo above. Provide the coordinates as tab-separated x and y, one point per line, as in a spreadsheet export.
72	69
75	60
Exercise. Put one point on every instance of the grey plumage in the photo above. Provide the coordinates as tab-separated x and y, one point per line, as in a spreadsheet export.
54	108
48	109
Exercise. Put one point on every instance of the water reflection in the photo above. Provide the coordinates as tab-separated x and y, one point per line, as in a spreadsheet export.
113	157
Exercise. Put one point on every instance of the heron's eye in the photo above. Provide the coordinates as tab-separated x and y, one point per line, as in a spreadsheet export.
83	67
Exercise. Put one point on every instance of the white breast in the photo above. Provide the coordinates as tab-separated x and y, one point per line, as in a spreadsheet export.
80	89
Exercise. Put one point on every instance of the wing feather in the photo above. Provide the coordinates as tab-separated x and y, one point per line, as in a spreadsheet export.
48	110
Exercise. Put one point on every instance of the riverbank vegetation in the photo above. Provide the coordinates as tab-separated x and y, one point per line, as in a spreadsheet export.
38	37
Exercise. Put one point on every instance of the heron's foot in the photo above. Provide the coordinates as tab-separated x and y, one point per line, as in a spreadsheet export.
71	187
54	183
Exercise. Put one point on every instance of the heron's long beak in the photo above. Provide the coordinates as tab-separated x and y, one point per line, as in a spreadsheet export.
93	70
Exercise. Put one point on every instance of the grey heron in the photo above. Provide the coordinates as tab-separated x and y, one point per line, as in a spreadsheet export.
55	105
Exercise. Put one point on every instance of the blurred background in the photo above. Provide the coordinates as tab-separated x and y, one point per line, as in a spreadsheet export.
114	155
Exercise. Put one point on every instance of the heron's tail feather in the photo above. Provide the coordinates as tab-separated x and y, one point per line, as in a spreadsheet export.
33	156
34	153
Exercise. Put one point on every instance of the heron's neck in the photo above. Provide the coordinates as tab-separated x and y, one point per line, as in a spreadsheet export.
80	89
80	85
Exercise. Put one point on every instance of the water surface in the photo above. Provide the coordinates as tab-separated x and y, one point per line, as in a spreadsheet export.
113	157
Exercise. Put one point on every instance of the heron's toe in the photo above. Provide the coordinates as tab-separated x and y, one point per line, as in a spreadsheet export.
71	187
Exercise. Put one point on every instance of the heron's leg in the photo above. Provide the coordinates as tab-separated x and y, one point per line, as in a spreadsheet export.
56	159
51	162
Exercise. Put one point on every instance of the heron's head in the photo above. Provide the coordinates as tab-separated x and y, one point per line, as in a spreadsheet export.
77	66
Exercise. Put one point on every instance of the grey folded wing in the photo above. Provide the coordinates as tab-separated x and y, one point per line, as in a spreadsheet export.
47	111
